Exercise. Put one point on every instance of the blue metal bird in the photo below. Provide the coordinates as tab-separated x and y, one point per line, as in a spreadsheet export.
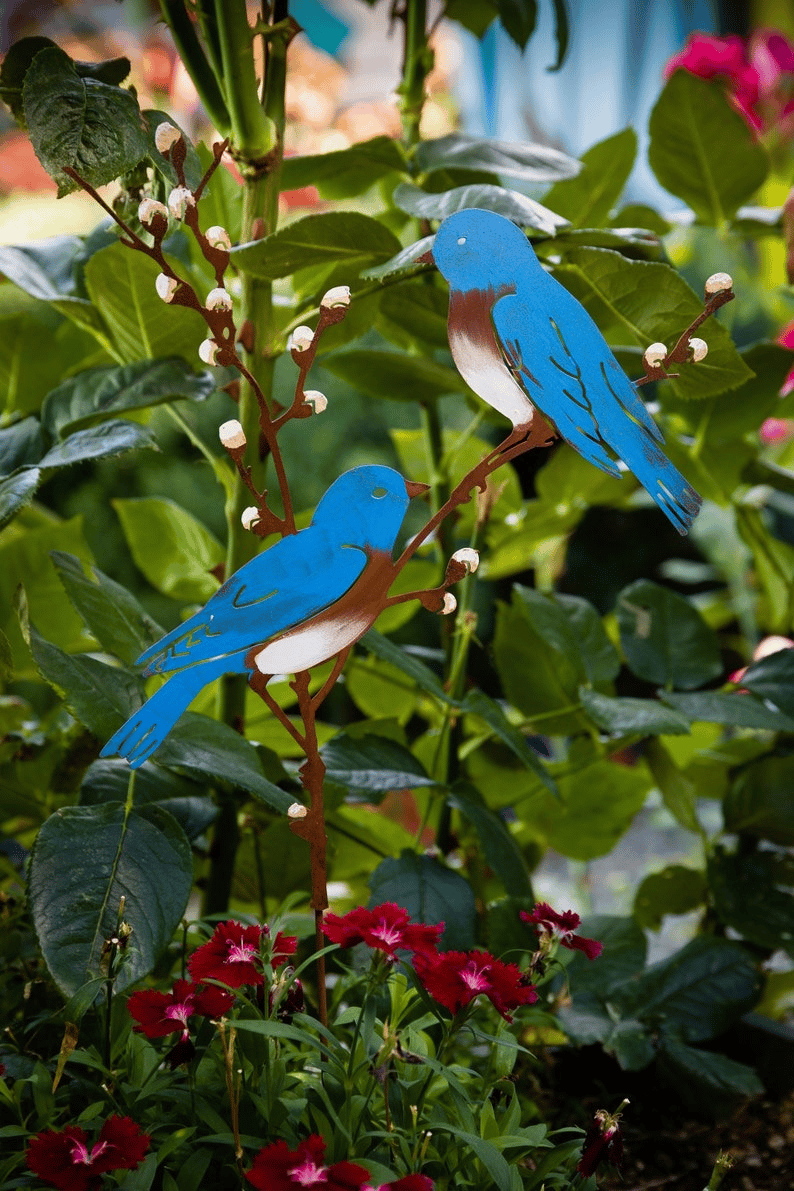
308	597
520	340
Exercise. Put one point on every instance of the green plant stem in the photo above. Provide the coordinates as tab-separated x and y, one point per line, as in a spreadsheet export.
253	132
417	63
208	84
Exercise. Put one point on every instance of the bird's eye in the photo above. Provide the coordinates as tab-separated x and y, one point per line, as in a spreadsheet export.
461	239
379	492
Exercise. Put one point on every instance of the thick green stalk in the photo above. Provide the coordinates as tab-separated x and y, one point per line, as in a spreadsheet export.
417	64
207	83
253	132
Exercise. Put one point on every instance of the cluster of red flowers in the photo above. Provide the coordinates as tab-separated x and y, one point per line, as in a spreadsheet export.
758	73
64	1159
278	1168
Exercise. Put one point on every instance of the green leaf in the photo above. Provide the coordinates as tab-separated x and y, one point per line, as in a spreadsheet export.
474	15
108	610
625	949
522	210
637	243
759	801
16	491
674	890
706	1078
742	711
395	375
561	32
654	304
81	123
499	1172
6	659
344	173
529	163
107	780
430	892
213	750
37	350
598	655
405	261
597	806
749	898
587	199
372	763
664	637
44	269
410	665
21	444
99	696
413	311
14	68
335	237
678	791
624	716
479	704
702	150
193	166
772	678
518	18
499	848
741	411
121	283
173	550
99	393
99	442
113	853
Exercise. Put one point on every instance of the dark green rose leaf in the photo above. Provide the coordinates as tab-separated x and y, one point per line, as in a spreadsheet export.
474	15
84	862
518	18
527	162
345	172
743	711
113	71
664	637
21	444
772	678
431	893
522	210
624	716
482	705
702	150
677	789
372	763
759	801
750	897
406	261
99	393
674	890
16	491
708	1081
411	311
410	665
587	199
99	442
44	269
80	123
500	850
335	237
15	66
396	375
107	780
108	610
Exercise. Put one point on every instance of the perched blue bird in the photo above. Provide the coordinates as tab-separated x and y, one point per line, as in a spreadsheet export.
520	340
308	597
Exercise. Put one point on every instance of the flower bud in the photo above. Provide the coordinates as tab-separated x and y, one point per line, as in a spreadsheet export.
208	351
338	296
166	135
179	200
449	605
232	434
297	811
317	400
300	339
469	557
218	237
149	209
249	517
166	287
718	283
654	355
218	299
699	349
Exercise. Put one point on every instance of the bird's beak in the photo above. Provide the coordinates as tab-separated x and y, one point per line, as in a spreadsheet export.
415	489
426	258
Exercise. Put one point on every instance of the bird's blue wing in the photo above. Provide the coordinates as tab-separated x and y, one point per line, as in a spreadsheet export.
294	579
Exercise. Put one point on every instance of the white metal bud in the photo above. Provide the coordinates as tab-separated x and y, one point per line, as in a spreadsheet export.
249	517
699	349
149	209
654	355
718	283
338	296
208	351
300	339
297	811
218	237
166	287
469	557
232	434
179	200
450	603
317	400
218	299
166	135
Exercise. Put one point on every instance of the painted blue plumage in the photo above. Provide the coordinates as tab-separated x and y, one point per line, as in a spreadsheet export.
357	520
521	341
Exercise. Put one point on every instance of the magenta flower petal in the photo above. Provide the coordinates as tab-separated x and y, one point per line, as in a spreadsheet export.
231	956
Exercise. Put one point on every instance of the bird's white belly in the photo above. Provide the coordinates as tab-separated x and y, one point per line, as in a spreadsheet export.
479	360
311	644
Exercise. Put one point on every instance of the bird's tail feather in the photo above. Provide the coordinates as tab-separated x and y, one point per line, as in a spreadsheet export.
147	728
674	495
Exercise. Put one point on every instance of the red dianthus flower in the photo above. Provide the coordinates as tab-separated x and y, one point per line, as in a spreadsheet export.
158	1014
233	957
561	926
385	928
278	1168
455	978
64	1160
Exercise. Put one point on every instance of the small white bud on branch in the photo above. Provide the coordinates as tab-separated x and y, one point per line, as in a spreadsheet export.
654	355
149	209
699	349
166	287
218	299
317	400
250	517
218	237
166	135
232	434
338	296
469	557
297	811
179	200
300	339
449	605
208	351
718	283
